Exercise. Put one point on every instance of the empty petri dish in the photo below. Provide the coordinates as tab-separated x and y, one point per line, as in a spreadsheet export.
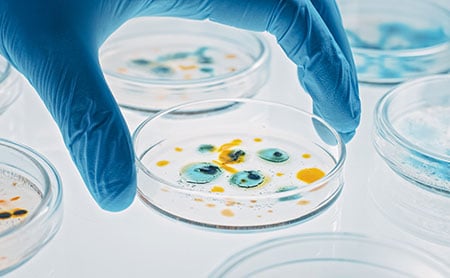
10	85
332	255
155	63
30	204
396	41
412	138
248	167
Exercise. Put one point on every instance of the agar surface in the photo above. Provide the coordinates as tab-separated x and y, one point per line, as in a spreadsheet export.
238	179
18	197
241	166
427	128
199	63
394	36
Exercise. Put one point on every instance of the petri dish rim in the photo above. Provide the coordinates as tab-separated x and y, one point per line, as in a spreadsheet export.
239	257
383	122
53	204
6	72
259	61
410	53
337	168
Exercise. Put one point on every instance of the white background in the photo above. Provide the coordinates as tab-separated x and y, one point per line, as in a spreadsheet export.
139	242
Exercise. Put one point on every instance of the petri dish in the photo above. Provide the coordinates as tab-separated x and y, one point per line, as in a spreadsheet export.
242	168
396	41
30	204
155	63
412	132
412	138
10	85
331	255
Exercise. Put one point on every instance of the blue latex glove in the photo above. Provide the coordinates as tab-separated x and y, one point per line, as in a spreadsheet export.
55	43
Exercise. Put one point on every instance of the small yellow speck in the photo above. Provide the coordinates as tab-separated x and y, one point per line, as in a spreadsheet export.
162	163
188	67
230	56
178	149
279	174
257	139
303	202
230	203
227	213
306	155
217	188
198	199
122	70
210	205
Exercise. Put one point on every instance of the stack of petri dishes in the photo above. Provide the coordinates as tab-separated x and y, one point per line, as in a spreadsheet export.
394	41
247	166
411	180
30	204
152	64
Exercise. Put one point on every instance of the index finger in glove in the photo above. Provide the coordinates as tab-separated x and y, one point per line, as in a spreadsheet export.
69	80
325	67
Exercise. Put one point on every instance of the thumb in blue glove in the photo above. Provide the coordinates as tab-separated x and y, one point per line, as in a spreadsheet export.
55	45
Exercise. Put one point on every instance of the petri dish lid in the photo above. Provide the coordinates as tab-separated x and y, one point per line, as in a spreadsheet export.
396	41
155	63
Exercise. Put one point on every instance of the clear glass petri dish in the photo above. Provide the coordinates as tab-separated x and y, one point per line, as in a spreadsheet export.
412	132
332	255
393	41
30	204
248	167
411	183
155	63
10	85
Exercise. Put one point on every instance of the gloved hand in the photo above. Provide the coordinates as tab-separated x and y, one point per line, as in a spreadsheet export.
55	43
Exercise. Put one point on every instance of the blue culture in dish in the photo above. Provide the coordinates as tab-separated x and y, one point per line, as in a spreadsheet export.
200	173
247	179
273	155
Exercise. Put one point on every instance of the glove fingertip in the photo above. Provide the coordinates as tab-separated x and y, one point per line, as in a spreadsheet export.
118	201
